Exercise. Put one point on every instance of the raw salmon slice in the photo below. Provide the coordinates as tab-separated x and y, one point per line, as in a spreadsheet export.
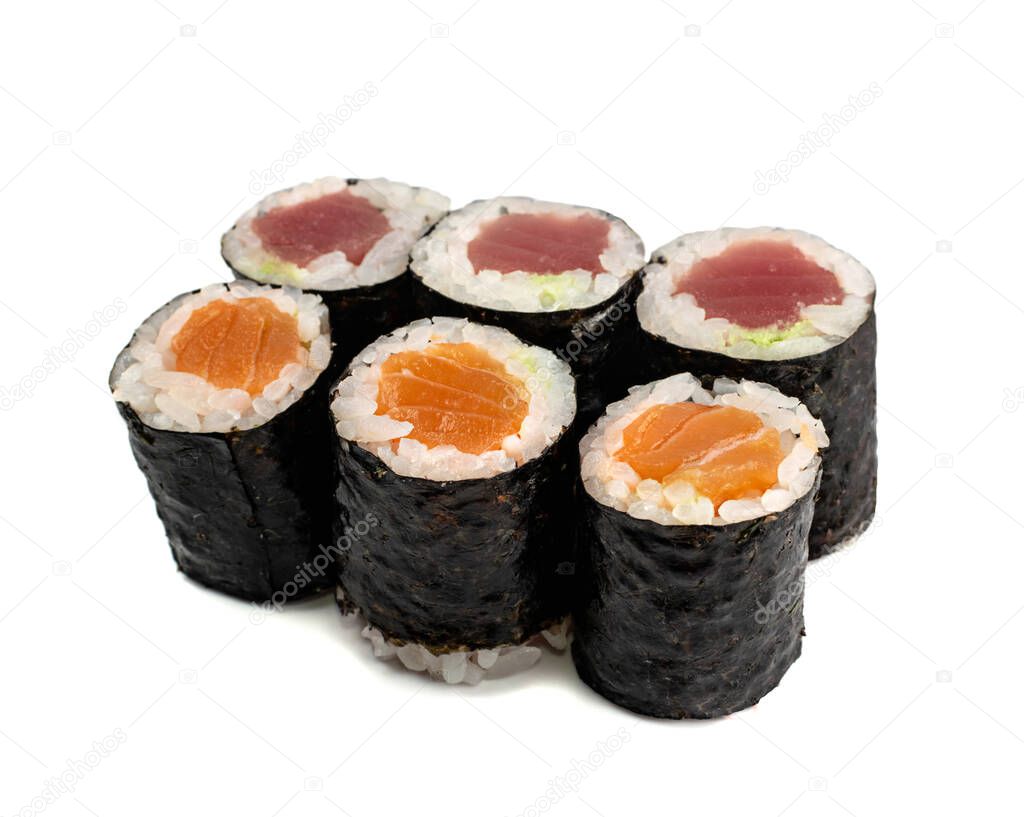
453	394
723	452
540	243
338	221
759	284
237	345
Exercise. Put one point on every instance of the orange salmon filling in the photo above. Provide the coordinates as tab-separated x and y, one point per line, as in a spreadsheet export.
239	345
453	394
723	452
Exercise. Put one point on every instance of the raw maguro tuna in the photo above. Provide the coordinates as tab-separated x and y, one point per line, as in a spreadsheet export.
781	307
760	285
450	437
540	243
336	223
557	275
695	513
224	394
348	240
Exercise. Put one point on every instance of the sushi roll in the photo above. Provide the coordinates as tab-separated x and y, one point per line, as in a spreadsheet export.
453	510
347	240
780	307
557	275
225	398
696	509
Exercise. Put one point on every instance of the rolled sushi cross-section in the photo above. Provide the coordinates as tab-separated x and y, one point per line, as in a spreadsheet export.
452	497
224	395
786	308
695	516
347	240
557	275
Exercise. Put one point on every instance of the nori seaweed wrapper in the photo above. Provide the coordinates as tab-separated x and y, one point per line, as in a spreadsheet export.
586	339
838	387
688	621
474	563
358	316
246	512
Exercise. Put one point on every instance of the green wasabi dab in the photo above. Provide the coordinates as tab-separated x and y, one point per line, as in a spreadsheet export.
768	335
553	290
277	270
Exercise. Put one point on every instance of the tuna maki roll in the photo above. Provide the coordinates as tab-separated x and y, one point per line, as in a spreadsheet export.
556	275
452	536
225	398
696	510
347	240
786	308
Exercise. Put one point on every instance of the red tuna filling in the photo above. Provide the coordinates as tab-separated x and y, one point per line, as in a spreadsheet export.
758	284
339	221
540	243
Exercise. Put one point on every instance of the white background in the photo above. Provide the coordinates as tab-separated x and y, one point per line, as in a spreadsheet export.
129	144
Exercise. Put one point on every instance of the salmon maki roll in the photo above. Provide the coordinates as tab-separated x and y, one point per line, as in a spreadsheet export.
347	240
225	396
557	275
452	492
781	307
695	513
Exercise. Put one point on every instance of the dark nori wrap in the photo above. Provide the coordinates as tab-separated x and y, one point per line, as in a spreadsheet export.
837	386
246	512
474	563
586	339
688	621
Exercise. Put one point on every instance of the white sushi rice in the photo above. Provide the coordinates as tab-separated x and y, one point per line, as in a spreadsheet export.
410	211
145	377
441	260
679	319
465	666
547	379
614	483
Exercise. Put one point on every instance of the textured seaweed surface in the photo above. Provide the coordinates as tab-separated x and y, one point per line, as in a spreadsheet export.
586	339
245	510
688	621
837	386
471	563
359	316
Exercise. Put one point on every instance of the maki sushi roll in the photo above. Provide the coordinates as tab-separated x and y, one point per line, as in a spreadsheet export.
452	495
696	509
556	275
347	240
780	307
224	395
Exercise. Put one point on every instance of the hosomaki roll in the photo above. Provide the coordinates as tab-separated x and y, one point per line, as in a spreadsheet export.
781	307
452	493
695	513
225	398
557	275
348	241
